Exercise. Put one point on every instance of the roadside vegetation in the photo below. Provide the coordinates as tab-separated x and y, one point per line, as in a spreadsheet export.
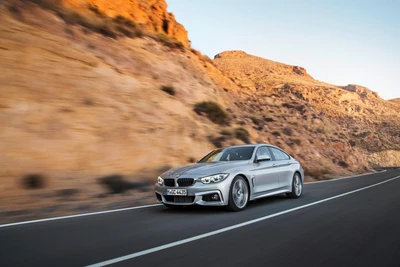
213	111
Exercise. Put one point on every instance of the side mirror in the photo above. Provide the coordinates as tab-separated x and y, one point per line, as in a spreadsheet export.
262	158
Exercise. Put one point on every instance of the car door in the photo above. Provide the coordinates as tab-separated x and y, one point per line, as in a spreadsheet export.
266	173
283	163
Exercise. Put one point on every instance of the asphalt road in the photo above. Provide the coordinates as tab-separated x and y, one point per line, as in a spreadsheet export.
346	222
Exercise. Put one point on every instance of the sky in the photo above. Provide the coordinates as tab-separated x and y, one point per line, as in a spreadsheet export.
338	42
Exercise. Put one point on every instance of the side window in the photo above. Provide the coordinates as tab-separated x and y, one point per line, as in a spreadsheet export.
263	151
278	154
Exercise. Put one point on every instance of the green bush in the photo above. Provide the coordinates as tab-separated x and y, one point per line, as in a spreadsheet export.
213	111
242	134
168	89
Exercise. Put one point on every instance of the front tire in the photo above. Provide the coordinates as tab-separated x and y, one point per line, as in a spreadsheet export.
297	186
238	194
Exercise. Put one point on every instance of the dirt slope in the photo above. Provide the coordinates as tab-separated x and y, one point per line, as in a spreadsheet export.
81	98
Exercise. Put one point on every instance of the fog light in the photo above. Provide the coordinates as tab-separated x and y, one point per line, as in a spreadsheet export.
214	197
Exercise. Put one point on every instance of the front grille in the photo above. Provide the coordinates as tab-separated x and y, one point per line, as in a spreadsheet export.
169	182
185	182
180	199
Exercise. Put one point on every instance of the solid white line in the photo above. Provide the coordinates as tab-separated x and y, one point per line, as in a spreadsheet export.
138	207
194	238
343	178
77	215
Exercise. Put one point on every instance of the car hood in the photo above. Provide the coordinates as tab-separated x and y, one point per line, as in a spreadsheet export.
203	169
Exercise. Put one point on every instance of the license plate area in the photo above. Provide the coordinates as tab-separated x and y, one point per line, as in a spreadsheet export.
176	192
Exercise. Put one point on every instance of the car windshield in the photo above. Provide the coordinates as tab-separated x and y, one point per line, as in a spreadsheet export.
229	154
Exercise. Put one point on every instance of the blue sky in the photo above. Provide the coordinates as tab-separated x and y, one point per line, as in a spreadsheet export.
339	42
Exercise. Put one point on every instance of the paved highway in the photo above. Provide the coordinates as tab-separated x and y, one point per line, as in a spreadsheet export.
345	222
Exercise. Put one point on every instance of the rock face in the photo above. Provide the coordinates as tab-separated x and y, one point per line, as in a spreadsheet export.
361	91
387	158
343	123
152	14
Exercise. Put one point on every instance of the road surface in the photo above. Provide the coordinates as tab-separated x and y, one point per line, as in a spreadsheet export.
346	222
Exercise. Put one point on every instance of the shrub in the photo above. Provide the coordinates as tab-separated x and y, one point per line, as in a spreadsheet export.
115	183
276	133
320	130
33	181
169	41
124	21
191	160
88	102
227	132
268	119
14	10
343	164
213	111
287	131
72	17
217	141
256	120
169	89
69	31
242	134
297	141
127	27
317	173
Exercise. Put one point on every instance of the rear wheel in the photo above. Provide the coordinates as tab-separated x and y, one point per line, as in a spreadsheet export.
297	186
238	194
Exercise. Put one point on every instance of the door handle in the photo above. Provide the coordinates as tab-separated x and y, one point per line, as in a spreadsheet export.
274	165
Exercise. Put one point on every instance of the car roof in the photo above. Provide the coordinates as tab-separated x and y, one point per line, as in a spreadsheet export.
250	145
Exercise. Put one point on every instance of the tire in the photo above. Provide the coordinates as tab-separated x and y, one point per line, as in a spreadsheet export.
238	194
297	186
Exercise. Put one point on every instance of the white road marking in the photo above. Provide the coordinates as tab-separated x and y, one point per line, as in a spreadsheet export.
194	238
343	178
139	207
78	215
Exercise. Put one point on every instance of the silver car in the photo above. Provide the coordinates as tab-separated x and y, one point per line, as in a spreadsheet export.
232	177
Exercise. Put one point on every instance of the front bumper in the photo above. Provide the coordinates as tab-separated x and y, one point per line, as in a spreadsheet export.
197	194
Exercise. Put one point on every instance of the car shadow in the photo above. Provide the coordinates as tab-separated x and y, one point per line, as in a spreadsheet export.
196	209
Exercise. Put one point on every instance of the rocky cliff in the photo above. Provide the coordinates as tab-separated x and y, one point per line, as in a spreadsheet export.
151	14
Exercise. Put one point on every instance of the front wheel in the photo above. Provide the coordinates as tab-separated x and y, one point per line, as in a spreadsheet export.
297	186
238	194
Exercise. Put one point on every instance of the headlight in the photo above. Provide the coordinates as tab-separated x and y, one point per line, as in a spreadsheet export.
213	178
160	180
